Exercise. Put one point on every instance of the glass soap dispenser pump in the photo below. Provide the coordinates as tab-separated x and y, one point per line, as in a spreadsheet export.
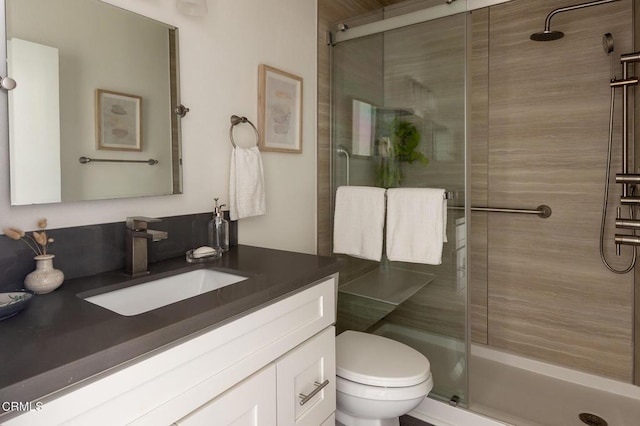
219	229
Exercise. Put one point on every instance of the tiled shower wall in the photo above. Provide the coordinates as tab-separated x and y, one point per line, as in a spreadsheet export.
548	296
538	124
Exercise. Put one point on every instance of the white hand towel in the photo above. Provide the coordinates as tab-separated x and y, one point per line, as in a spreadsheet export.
359	222
416	225
246	184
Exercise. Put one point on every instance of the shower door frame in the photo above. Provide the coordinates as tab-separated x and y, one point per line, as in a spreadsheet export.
635	126
417	17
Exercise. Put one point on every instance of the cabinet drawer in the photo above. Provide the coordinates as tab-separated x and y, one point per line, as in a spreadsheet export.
306	382
249	403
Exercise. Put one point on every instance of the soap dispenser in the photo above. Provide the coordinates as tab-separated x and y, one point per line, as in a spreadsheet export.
219	229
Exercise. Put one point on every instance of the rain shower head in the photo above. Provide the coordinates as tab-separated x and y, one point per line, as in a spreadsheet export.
548	35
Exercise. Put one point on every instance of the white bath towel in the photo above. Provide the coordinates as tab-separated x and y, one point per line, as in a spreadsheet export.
416	225
359	222
246	184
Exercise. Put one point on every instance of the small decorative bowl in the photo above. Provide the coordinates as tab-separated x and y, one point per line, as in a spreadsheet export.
12	303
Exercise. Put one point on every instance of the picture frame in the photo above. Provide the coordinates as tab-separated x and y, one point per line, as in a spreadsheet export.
118	121
279	110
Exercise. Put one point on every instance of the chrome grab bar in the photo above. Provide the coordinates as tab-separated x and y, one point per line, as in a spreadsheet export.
342	150
542	211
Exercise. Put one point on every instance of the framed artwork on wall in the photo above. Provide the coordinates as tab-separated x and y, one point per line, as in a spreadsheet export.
279	110
118	121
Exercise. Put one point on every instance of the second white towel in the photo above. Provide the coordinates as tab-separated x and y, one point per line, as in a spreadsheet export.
416	225
359	222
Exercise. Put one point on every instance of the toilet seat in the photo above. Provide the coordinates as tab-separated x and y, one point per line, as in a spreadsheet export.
369	359
380	393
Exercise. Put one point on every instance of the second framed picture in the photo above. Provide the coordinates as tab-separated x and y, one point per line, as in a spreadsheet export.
118	121
279	110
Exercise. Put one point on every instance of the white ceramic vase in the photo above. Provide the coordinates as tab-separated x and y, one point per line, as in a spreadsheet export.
45	278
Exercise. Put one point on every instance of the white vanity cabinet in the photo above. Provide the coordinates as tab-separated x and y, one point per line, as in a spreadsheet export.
250	371
300	385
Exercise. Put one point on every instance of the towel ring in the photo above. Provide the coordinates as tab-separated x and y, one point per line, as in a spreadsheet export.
235	120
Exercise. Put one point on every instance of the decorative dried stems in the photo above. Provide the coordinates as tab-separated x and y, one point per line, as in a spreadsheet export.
38	241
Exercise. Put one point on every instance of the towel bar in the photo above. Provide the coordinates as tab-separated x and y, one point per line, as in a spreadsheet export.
86	160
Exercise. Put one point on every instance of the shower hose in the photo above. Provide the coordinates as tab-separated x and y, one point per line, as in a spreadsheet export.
606	197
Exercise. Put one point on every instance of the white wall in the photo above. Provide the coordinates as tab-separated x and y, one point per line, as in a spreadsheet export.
219	55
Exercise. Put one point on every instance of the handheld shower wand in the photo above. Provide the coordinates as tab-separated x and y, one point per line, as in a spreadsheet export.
625	178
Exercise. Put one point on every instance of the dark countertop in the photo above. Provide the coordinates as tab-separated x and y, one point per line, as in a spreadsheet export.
61	339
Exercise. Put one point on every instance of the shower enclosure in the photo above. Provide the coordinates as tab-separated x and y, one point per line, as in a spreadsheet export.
398	120
521	305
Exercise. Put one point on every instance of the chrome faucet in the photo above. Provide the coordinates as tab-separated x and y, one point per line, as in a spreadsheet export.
137	236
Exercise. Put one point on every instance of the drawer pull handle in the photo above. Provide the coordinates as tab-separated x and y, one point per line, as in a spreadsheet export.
319	386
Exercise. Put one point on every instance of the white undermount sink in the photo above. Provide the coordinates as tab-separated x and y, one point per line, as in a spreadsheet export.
151	295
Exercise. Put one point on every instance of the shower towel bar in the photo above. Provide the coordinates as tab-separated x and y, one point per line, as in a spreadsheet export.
448	195
86	160
542	211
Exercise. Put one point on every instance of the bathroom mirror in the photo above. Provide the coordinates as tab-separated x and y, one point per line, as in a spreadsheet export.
94	82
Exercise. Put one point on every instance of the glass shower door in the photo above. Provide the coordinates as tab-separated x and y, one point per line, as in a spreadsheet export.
408	85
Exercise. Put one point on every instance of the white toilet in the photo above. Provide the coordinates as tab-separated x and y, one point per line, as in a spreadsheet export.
378	379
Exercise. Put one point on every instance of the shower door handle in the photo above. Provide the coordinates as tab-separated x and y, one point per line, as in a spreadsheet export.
343	151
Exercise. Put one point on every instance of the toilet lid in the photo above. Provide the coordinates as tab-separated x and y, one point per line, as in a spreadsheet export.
378	361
